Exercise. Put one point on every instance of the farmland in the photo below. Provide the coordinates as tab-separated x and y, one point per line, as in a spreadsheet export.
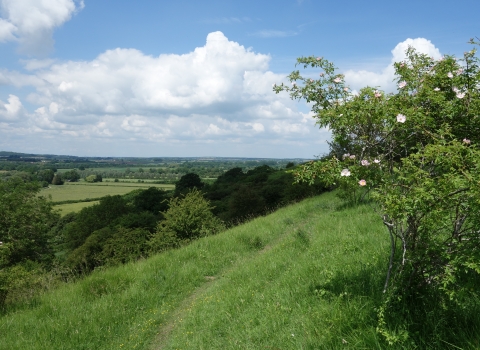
73	207
81	191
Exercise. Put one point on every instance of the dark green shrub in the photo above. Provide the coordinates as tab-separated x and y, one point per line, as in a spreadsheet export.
187	218
124	246
152	199
93	218
87	257
144	219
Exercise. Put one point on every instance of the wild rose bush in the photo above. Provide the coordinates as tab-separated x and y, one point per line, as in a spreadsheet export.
417	152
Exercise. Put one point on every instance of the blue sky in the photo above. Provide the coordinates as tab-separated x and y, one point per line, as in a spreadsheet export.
194	78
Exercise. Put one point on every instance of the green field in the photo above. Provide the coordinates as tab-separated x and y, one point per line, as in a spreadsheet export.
130	181
114	168
73	207
83	190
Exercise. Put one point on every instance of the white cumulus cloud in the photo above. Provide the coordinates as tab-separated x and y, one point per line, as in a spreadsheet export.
12	110
31	22
219	92
384	79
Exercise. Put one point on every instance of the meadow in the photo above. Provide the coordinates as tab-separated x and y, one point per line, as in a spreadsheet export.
78	191
68	208
308	276
305	277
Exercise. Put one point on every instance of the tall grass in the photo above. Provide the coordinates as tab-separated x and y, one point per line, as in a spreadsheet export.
308	276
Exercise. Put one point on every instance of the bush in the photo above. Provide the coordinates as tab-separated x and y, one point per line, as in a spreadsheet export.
187	218
417	151
124	246
21	283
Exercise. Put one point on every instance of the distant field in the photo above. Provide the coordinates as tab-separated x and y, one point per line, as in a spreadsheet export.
115	168
84	190
73	207
135	181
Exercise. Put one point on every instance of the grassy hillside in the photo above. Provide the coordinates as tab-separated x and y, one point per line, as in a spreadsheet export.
304	277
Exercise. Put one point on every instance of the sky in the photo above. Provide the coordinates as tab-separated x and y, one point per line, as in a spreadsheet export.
191	78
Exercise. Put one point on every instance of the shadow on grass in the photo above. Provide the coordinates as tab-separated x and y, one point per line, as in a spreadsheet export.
432	322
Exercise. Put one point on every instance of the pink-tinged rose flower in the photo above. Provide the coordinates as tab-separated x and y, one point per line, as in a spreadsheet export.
467	141
322	74
402	84
346	155
345	89
352	156
377	94
455	89
319	58
365	162
362	182
345	172
401	118
311	80
460	94
402	64
337	80
459	71
450	75
376	161
436	89
294	83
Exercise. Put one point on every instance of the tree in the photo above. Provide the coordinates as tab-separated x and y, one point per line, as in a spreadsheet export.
246	201
188	182
94	178
25	221
417	152
152	199
94	218
71	176
45	176
57	180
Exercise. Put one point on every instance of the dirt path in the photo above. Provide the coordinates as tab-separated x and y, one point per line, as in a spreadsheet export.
165	331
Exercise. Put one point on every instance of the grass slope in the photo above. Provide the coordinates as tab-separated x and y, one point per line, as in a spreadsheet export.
304	277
